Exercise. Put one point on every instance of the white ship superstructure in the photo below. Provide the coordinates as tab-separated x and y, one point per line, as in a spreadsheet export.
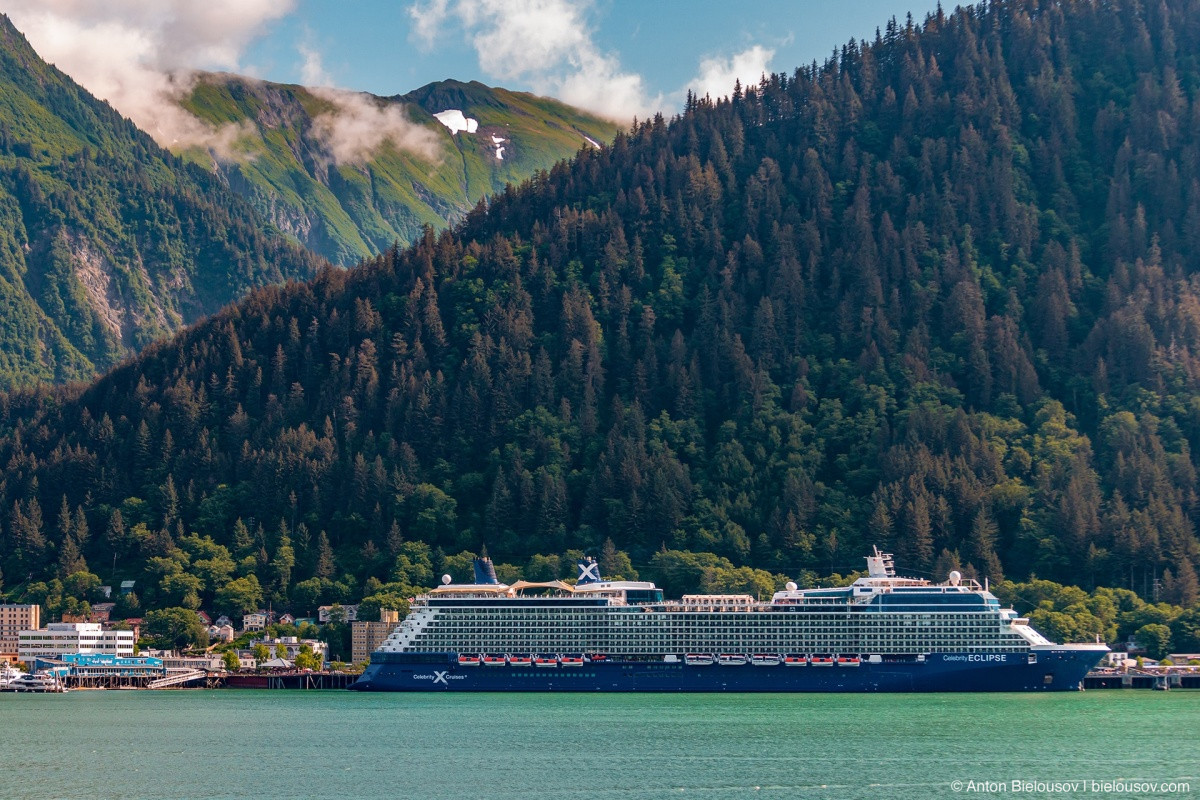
879	614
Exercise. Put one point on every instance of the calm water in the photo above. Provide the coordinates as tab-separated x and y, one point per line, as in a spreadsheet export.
236	744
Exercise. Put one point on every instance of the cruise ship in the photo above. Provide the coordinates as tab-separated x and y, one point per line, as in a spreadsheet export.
883	633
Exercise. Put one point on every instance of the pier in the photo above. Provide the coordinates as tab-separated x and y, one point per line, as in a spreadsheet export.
1142	679
289	680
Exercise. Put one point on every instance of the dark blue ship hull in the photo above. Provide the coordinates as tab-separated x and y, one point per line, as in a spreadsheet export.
1056	669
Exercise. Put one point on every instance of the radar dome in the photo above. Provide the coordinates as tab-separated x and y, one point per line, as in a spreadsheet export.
446	579
790	586
955	577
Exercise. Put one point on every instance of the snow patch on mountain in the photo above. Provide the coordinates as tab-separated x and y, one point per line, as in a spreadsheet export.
456	121
497	141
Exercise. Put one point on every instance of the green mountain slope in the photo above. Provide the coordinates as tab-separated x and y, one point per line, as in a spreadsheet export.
939	294
352	209
107	241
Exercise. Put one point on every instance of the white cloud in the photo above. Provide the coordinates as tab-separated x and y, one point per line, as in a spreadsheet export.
140	56
717	75
360	124
544	43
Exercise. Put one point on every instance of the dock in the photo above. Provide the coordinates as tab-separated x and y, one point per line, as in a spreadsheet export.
289	680
1142	679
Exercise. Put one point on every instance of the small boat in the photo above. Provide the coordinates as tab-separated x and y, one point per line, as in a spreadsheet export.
821	661
37	682
698	659
849	661
571	661
520	661
764	660
8	674
795	661
545	662
594	657
731	659
494	661
468	661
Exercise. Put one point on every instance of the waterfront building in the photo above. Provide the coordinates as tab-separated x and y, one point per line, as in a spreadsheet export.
277	663
327	613
366	637
178	663
15	618
82	665
59	639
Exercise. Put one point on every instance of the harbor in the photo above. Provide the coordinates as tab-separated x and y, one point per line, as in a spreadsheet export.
346	744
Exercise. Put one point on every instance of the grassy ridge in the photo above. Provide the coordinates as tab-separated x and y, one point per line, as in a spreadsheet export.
349	211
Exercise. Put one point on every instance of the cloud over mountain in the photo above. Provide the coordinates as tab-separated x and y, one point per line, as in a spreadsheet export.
141	56
544	43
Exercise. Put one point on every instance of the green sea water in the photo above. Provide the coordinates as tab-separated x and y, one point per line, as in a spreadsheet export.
212	745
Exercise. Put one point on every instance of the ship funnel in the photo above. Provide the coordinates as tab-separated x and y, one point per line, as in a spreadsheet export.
485	571
589	571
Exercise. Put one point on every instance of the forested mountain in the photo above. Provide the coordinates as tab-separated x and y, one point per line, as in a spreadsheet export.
106	240
938	294
319	163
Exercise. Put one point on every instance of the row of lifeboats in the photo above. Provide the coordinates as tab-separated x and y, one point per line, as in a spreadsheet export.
691	659
769	660
521	660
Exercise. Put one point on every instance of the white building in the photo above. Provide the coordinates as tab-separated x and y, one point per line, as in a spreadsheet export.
255	621
221	633
63	638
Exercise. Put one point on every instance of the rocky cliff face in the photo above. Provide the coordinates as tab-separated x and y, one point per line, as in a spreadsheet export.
107	241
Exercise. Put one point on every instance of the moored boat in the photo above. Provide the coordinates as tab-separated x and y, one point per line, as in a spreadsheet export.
893	634
40	682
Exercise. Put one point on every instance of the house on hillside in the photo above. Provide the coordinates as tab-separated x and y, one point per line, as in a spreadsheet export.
221	633
255	621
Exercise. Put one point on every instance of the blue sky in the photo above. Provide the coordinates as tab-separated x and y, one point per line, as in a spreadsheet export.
369	45
619	58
